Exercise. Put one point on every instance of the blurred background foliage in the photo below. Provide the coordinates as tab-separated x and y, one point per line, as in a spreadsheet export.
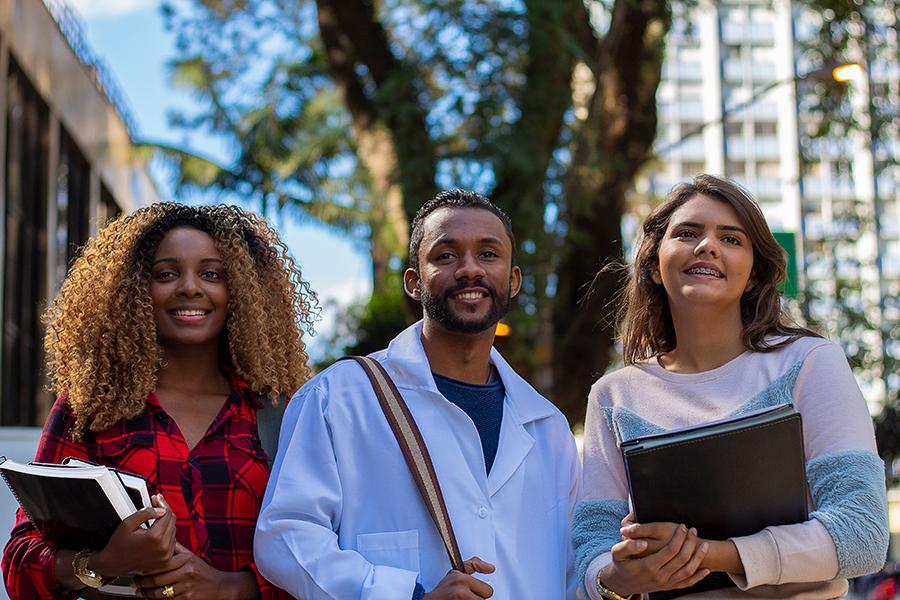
352	113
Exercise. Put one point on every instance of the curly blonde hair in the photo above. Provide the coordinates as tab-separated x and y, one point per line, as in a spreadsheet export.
101	341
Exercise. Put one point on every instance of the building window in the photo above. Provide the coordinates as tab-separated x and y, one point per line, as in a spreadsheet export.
764	128
734	128
735	168
109	208
692	168
72	203
25	253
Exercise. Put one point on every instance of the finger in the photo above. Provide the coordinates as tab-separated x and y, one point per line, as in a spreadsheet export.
682	558
689	570
657	531
159	592
155	583
627	549
476	565
133	521
628	519
695	578
479	588
670	550
153	577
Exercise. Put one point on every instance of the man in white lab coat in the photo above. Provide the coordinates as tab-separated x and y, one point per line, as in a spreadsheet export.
342	518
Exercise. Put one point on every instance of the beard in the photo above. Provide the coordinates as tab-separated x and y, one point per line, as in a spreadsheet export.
437	307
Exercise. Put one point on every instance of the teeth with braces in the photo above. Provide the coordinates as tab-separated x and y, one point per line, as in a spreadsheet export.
702	271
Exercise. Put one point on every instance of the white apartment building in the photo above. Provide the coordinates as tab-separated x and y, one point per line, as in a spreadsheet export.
728	104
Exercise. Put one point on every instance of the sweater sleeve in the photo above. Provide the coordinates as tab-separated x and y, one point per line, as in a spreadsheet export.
29	558
846	535
604	501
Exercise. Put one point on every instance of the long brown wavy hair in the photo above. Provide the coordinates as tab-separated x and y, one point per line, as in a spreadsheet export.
645	321
101	341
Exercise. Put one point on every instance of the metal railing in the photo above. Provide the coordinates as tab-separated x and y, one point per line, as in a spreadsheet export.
72	27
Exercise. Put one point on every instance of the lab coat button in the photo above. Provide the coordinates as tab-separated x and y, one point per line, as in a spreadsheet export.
482	512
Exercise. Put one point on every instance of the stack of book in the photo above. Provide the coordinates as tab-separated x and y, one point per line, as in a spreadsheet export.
77	505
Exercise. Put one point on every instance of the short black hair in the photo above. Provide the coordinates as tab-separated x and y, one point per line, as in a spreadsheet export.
455	198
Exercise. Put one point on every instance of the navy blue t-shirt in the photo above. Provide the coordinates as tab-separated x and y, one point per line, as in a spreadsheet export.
484	405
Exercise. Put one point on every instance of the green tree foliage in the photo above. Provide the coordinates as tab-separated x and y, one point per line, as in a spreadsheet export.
858	300
354	112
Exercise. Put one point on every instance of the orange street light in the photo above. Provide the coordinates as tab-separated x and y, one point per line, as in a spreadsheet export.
502	330
845	73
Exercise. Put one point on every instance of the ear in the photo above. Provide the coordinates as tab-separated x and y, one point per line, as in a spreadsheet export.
655	276
412	284
515	282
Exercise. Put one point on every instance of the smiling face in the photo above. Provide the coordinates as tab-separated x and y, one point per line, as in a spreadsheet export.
188	289
465	278
705	255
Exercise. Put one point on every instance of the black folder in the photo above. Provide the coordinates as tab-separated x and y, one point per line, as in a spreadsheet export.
728	478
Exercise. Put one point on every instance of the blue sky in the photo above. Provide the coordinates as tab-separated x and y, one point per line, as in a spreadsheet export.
129	36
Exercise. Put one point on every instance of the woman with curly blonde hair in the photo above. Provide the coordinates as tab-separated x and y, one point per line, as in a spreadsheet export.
174	327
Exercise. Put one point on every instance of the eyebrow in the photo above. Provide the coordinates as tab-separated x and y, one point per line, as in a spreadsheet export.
485	240
172	259
696	225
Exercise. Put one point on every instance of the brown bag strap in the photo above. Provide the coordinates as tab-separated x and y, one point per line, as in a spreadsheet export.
414	451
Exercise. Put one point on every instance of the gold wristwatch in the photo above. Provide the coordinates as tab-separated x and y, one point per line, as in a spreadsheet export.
85	574
608	594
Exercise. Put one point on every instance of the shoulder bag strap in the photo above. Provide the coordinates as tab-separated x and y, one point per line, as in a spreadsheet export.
268	425
414	451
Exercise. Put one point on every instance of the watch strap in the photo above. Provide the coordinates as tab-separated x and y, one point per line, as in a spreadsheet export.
84	573
608	594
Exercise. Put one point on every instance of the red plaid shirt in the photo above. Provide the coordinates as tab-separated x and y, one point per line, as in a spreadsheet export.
215	489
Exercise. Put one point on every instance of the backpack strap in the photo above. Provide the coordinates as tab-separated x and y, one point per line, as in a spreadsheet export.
268	424
414	451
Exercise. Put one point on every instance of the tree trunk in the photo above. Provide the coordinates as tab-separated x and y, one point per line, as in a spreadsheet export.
387	121
614	141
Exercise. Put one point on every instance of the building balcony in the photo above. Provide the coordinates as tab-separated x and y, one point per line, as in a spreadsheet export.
767	187
684	111
693	148
744	33
766	147
682	71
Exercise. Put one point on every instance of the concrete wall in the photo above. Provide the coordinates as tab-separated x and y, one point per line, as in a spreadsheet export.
37	44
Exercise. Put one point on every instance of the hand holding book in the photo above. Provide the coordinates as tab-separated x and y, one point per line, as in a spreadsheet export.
639	566
135	549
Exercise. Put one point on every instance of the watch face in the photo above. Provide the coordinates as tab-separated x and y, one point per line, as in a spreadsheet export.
83	573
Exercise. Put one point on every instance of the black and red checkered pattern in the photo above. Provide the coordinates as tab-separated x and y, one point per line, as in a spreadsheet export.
215	489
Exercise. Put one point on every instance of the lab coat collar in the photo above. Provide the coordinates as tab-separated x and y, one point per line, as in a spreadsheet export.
407	364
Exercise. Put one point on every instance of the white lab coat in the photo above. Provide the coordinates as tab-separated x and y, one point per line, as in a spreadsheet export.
342	518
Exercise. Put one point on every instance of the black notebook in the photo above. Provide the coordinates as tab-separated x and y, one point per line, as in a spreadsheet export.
728	478
77	505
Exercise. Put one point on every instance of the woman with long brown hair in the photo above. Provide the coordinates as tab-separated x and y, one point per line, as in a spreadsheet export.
705	337
175	327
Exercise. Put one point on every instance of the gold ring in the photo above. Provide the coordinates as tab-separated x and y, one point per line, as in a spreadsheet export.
169	591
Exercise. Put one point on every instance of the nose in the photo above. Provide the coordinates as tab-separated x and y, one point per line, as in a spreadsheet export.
188	286
707	244
469	267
